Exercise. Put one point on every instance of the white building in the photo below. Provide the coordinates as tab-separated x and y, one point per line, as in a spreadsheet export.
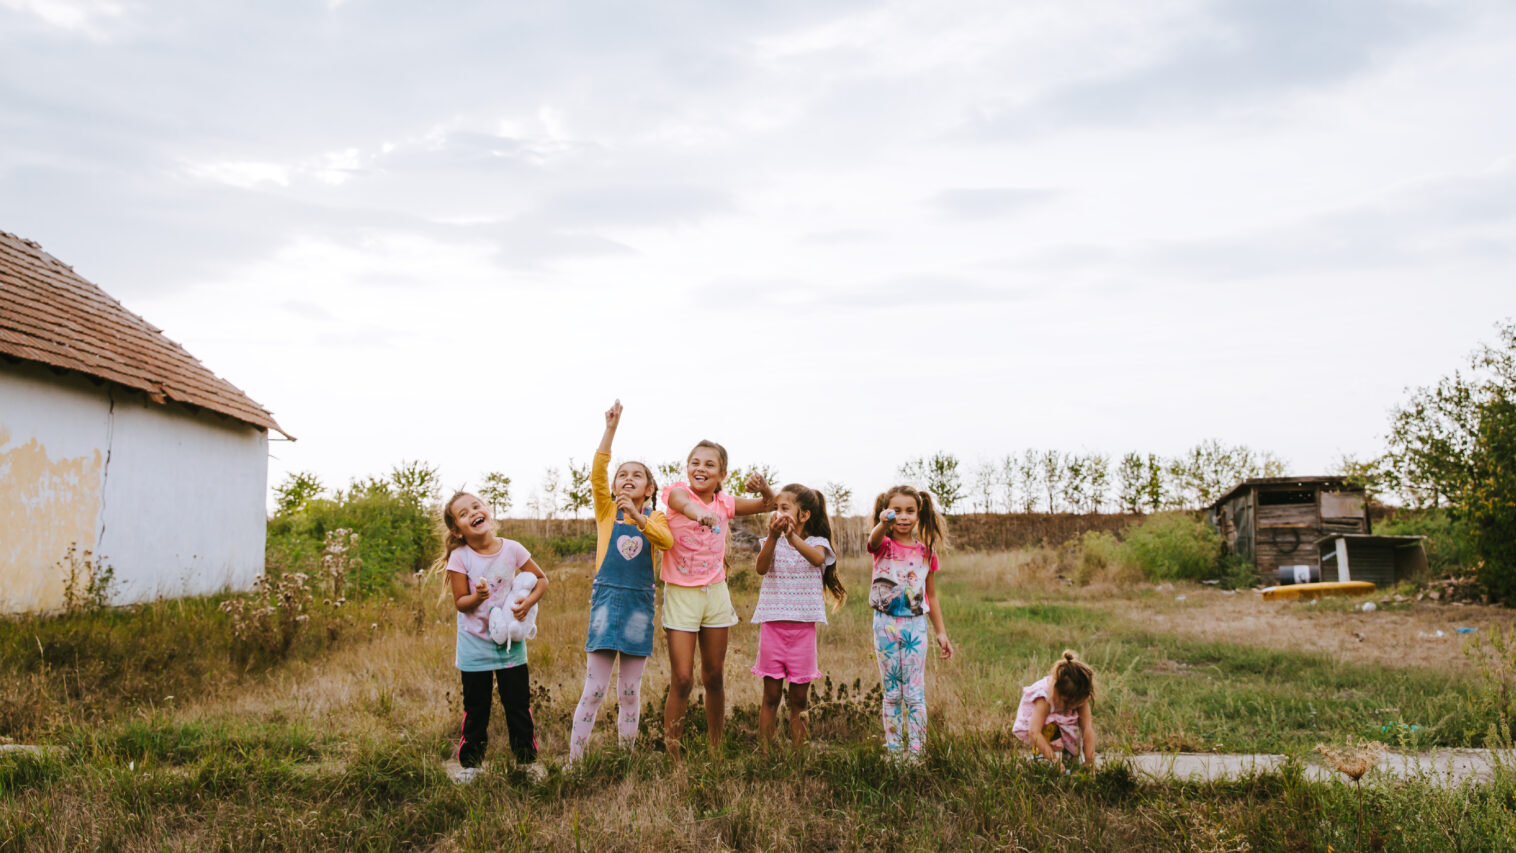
116	442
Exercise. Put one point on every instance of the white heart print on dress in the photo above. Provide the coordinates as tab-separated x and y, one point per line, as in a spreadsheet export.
629	546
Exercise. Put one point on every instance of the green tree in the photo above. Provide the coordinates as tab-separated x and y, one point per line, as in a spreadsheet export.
417	482
736	479
1490	502
671	472
1131	481
297	490
496	489
1456	443
1154	490
1051	472
578	494
939	475
839	499
1007	480
984	485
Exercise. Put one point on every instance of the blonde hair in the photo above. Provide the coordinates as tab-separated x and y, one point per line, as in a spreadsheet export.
452	537
1072	679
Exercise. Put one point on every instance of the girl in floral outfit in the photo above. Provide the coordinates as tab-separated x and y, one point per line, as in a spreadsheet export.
904	544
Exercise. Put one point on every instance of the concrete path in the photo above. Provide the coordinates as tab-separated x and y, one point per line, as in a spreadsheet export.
1450	767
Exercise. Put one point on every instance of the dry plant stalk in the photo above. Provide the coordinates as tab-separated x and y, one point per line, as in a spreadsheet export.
1355	759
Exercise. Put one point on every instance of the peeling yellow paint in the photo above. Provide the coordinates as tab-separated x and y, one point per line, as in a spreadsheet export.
46	505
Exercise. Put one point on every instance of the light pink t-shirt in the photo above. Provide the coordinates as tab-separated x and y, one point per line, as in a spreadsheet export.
699	553
499	569
1067	723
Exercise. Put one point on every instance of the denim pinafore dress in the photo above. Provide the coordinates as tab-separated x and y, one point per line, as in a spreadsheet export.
621	600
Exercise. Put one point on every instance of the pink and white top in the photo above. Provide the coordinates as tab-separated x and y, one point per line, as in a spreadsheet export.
499	569
699	553
898	587
792	589
1067	723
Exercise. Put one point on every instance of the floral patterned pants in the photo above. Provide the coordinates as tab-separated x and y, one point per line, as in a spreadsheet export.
900	648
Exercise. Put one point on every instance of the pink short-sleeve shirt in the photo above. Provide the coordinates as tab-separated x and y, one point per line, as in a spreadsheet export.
699	553
498	569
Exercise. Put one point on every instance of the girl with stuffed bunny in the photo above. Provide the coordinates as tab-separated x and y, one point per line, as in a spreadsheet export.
481	569
628	540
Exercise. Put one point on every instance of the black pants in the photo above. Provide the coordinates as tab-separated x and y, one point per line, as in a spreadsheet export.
515	697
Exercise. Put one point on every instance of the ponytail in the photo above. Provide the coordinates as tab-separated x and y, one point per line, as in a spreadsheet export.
1072	679
932	524
818	524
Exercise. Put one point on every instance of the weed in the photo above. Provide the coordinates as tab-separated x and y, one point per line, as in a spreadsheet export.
86	583
266	620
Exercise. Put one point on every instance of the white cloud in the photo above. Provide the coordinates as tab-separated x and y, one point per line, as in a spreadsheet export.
84	17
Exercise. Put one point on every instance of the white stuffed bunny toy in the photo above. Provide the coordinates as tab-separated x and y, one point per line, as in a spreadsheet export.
505	628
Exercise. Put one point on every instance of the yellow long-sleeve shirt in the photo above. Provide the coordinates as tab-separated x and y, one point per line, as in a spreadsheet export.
656	531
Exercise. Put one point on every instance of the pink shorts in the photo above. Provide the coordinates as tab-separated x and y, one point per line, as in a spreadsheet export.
787	651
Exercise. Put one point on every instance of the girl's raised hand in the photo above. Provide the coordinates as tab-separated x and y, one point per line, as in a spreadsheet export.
756	483
613	414
778	524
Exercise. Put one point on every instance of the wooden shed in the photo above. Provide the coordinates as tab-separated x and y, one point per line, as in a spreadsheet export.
1281	521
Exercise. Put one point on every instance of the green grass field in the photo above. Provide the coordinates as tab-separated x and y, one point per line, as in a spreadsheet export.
168	745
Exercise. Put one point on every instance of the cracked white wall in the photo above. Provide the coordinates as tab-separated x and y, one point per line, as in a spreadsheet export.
171	500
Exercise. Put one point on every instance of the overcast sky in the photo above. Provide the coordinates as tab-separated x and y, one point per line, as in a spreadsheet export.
831	235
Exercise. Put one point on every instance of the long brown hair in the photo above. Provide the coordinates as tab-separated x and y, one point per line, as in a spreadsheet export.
817	524
1072	679
931	525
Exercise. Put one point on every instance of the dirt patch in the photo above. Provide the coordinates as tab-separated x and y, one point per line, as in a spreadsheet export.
1404	638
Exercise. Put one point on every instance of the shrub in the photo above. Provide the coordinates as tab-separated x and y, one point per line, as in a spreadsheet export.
395	534
1174	546
1100	552
1449	541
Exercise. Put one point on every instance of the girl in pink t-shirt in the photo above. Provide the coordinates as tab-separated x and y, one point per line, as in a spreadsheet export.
1055	715
697	606
903	593
797	565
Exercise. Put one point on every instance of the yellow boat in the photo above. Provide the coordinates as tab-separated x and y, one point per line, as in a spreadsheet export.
1303	591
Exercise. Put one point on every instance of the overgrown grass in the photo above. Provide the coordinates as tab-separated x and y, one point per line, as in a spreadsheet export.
341	745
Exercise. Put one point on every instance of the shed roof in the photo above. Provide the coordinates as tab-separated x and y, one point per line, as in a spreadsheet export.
1312	480
51	315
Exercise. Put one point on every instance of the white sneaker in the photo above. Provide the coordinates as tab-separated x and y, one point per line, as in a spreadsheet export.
464	775
536	772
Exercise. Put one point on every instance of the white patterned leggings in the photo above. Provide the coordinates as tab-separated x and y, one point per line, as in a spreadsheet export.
597	680
900	648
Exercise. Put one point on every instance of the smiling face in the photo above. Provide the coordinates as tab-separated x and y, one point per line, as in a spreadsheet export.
705	470
905	515
633	481
469	516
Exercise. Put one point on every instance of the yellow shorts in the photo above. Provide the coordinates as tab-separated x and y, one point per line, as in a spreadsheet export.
690	608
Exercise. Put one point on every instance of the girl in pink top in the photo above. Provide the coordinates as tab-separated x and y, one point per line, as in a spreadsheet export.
1055	715
697	606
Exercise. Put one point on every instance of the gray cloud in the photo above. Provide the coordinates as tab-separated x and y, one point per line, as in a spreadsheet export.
989	202
634	205
1252	49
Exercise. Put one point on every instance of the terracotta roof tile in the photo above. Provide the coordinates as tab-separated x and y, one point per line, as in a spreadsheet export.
51	315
